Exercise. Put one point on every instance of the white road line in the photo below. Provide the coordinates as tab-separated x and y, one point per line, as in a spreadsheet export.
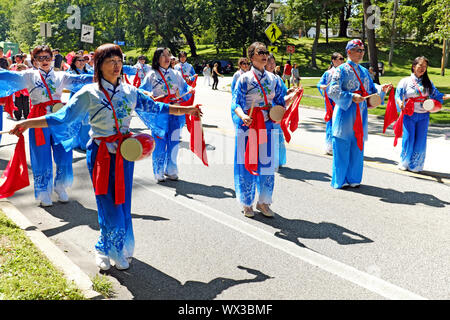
362	279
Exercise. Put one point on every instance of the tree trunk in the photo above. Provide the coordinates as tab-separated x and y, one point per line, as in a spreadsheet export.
371	43
316	41
391	51
444	51
186	30
343	19
326	27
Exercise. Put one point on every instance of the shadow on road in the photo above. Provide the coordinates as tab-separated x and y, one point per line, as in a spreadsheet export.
189	189
293	229
302	175
76	215
394	196
148	283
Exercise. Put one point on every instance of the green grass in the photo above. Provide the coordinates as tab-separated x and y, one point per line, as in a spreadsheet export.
25	273
103	285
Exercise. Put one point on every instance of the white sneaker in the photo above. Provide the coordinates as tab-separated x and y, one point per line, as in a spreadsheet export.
355	185
46	200
121	264
62	195
402	167
102	261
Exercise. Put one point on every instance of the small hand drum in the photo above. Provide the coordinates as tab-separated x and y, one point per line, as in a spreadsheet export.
276	113
137	147
57	106
373	101
432	105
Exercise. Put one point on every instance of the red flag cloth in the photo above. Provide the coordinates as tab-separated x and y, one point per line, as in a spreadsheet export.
192	83
8	54
197	142
391	114
291	117
257	134
15	176
357	125
9	104
330	106
137	80
408	110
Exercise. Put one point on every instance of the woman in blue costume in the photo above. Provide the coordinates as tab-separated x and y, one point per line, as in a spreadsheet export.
262	90
349	85
336	60
166	85
108	104
244	66
45	88
78	66
415	89
185	68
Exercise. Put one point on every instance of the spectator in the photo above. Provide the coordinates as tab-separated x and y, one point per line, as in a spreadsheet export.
295	78
19	59
287	73
21	99
278	71
215	76
57	60
207	74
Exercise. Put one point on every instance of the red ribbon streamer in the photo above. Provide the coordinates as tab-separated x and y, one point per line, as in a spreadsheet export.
15	176
197	142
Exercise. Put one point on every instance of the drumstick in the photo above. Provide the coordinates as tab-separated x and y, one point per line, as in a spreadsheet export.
251	109
3	132
366	97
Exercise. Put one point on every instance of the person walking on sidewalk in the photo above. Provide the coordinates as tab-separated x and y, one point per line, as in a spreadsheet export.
215	76
108	104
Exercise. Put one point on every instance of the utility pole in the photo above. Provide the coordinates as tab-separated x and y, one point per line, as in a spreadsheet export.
444	53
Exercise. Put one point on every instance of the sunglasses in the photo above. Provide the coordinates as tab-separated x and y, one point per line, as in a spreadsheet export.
261	52
341	58
359	50
244	64
42	58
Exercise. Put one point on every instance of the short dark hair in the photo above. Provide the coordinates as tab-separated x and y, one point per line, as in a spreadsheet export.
252	48
142	58
182	53
158	52
103	52
42	48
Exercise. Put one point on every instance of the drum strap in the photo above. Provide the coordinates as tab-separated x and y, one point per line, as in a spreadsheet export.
100	174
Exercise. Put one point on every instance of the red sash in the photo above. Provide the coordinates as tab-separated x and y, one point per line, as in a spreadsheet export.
40	110
408	110
357	125
197	142
192	83
100	174
137	80
9	104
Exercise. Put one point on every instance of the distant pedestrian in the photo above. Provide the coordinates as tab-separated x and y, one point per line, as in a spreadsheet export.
295	78
287	72
215	76
207	74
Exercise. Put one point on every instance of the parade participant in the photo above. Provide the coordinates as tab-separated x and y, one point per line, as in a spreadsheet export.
270	66
336	60
254	160
45	88
410	95
142	68
244	66
186	69
349	85
166	85
108	103
78	66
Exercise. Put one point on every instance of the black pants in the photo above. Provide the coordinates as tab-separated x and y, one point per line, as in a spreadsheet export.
23	104
215	82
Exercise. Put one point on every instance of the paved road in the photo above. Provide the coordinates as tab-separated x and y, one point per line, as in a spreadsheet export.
386	240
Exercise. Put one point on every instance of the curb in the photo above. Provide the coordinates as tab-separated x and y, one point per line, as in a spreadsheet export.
70	270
